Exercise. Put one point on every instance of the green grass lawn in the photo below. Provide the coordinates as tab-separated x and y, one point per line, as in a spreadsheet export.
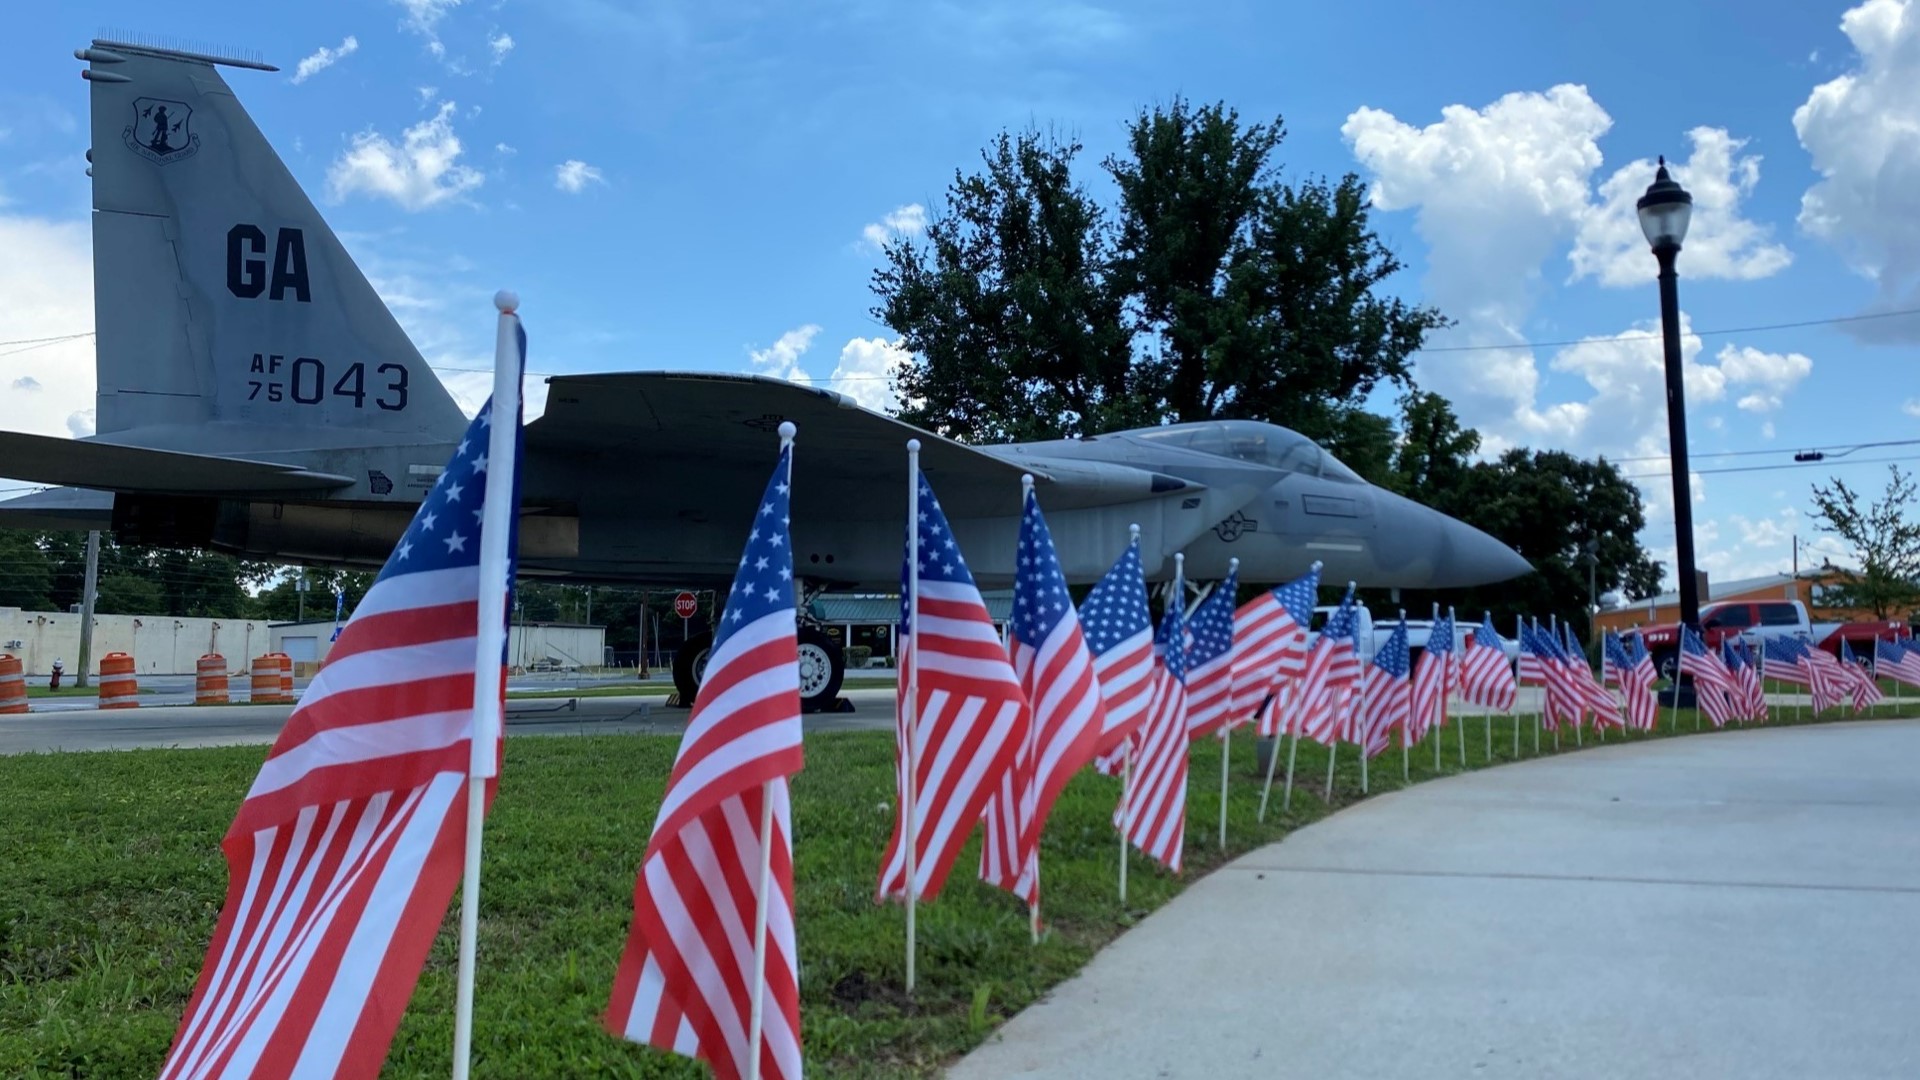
113	877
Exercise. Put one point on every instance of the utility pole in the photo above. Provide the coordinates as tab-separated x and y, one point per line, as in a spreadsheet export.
1593	575
88	592
300	586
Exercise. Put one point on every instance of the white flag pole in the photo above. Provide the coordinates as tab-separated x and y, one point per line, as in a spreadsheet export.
1033	760
910	723
490	649
1126	817
1226	726
1361	721
1333	747
1272	704
1289	720
1126	769
757	1010
756	1015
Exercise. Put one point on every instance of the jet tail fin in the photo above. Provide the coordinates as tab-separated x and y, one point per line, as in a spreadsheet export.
221	296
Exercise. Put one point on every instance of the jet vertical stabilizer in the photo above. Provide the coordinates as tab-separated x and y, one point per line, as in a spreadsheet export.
230	319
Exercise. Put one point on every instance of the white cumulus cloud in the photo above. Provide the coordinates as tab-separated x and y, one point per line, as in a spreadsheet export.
427	94
324	58
866	370
572	176
420	171
423	16
782	359
500	45
908	220
1862	130
48	279
1911	407
1719	244
1770	375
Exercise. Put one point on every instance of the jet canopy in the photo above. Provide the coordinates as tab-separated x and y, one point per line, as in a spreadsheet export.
1260	443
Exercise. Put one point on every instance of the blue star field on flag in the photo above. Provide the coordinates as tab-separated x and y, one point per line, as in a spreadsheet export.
1040	599
1212	626
1169	642
1116	609
763	584
1395	658
939	553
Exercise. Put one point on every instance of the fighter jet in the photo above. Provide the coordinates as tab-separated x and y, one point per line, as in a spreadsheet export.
257	397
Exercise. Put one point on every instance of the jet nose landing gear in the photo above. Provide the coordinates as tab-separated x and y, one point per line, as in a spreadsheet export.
823	666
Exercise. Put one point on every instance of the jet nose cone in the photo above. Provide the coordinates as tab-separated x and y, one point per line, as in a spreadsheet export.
1433	551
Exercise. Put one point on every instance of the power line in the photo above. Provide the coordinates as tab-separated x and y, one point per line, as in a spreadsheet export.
1772	468
1755	329
1848	447
1695	333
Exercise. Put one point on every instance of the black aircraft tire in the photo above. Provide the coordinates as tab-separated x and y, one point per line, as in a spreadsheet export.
817	651
689	665
818	689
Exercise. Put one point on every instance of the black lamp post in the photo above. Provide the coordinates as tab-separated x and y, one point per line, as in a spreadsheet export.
1665	211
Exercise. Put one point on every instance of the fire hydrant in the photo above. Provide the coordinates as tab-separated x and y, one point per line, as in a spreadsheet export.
54	682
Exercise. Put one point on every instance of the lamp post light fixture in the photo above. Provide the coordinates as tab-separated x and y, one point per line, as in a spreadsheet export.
1665	211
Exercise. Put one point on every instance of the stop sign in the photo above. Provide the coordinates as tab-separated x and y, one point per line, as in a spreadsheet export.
685	604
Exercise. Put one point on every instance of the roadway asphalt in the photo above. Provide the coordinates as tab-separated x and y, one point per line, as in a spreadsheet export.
1736	905
226	725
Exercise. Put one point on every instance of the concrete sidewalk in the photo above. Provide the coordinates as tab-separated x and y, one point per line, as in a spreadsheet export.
1737	905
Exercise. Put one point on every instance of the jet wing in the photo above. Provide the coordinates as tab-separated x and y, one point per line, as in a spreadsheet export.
44	459
690	437
58	510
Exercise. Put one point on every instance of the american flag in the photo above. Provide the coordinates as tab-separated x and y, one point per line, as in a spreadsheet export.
1331	677
1783	660
1531	671
346	851
1826	679
1387	696
971	715
1635	681
1056	672
1743	661
1270	648
1898	660
1120	635
1210	662
685	980
1714	688
1156	796
1486	678
1606	711
1430	683
1563	693
1866	688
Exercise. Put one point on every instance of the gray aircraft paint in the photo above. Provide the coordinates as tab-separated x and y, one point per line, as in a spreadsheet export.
208	255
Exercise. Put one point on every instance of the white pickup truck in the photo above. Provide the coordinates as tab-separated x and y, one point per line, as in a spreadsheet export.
1372	635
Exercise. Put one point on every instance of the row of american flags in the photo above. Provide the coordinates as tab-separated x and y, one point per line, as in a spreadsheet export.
347	850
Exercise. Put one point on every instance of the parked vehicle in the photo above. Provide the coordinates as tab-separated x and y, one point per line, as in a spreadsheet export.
1373	634
1755	621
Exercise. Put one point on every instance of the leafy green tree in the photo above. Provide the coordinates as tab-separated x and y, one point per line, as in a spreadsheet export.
26	577
1212	289
1549	505
1005	305
130	594
1435	454
280	601
1884	541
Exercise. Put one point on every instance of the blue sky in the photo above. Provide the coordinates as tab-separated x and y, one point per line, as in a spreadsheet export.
690	185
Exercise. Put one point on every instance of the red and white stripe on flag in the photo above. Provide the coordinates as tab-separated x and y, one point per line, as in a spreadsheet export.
1056	674
685	981
972	717
343	857
1156	794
